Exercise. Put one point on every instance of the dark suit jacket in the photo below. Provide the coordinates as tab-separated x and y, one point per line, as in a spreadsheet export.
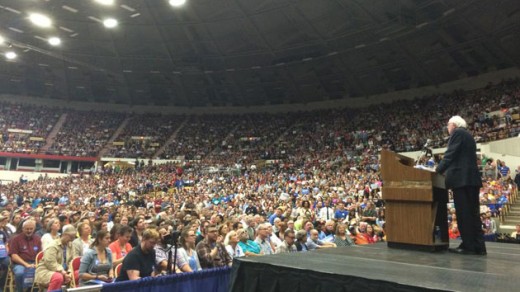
460	161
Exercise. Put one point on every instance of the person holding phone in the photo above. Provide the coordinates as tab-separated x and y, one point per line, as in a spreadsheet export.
96	262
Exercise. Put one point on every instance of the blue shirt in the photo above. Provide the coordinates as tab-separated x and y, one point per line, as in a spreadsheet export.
341	214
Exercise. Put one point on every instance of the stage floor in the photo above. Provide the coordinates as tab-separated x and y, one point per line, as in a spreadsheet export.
403	268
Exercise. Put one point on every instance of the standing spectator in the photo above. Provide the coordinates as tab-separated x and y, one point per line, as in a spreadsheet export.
463	177
504	170
517	177
22	250
212	253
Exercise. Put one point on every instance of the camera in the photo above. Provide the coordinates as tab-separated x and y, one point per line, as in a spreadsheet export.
172	238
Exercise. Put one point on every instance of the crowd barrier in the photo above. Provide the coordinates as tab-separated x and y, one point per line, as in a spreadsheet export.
215	280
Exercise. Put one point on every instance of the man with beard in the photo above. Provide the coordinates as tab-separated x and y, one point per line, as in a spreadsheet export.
140	261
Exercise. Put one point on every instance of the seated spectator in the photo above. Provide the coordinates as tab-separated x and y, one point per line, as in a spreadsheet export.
453	230
53	269
211	252
139	226
341	238
301	240
262	239
83	242
22	250
314	243
187	253
96	263
232	247
121	247
4	239
249	247
362	236
287	245
140	261
53	227
516	234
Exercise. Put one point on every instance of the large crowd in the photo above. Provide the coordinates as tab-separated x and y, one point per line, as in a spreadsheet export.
320	189
400	125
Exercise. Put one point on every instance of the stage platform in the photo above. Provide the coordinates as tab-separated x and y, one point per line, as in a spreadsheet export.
379	268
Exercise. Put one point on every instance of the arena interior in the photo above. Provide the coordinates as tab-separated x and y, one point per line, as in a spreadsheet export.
232	129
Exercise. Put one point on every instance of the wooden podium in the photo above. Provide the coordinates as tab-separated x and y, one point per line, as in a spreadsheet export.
416	203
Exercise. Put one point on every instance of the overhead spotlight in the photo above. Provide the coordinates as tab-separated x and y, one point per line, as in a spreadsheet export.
2	40
110	23
10	55
105	2
177	3
40	20
54	41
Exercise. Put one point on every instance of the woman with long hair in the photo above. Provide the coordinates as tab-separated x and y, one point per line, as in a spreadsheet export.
187	259
341	238
96	263
231	243
121	246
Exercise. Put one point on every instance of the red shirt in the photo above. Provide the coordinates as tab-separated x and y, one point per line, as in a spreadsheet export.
26	248
115	247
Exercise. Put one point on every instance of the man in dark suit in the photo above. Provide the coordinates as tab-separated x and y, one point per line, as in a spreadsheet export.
463	178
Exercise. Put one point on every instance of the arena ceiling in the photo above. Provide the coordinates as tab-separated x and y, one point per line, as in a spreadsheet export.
251	52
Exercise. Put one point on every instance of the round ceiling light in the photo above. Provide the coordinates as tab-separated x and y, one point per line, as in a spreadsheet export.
40	20
110	23
10	55
177	3
54	41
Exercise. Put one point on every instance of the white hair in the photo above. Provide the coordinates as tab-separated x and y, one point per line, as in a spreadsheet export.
458	121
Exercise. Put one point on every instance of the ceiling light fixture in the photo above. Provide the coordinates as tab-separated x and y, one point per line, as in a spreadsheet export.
177	3
105	2
54	41
40	20
110	23
10	55
2	40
